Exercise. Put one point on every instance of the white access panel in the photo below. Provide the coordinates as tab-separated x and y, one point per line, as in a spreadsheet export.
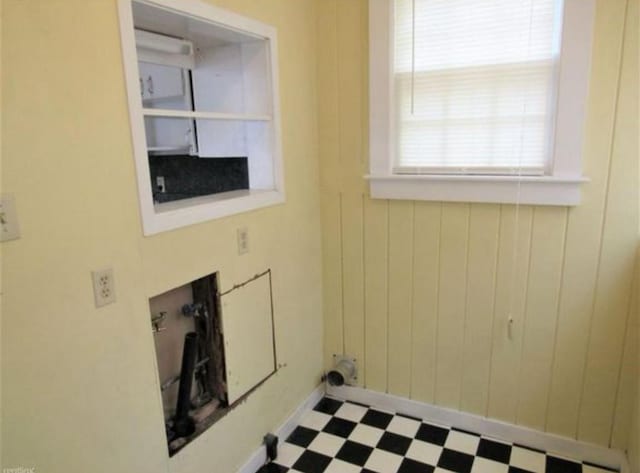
248	335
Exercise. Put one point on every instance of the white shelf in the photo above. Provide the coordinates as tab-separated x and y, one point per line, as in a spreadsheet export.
157	149
166	113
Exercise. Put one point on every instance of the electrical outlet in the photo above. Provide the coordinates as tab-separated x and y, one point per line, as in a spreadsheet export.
243	240
104	290
160	184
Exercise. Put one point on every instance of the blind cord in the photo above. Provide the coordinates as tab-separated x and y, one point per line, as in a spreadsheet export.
413	53
516	223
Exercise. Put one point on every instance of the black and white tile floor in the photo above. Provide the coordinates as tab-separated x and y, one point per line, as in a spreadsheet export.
344	437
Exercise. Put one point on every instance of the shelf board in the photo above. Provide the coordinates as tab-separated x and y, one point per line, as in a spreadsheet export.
166	113
167	149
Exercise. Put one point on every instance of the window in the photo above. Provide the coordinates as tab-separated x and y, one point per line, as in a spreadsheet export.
478	100
203	102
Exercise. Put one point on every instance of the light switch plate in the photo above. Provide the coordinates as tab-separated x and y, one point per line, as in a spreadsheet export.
9	227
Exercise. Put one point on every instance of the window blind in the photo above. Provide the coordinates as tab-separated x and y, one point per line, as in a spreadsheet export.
475	85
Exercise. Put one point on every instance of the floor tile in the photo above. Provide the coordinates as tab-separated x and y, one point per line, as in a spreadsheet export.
412	466
355	453
394	443
462	442
432	434
344	437
484	465
315	420
351	412
515	469
288	454
302	436
381	461
273	468
328	406
527	459
560	465
339	466
377	418
366	435
312	462
424	452
404	426
494	450
456	461
339	427
326	444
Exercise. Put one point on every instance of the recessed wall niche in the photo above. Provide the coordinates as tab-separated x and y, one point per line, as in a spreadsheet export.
202	85
213	349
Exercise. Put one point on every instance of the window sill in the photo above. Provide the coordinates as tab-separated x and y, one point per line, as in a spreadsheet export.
533	190
180	213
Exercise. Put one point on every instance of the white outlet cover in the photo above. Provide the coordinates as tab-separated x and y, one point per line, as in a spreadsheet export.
243	240
9	228
104	290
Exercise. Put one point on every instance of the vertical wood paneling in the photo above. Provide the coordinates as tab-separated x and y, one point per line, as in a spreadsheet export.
454	232
585	227
327	85
329	155
376	215
545	268
510	300
332	276
426	264
350	93
400	293
619	241
627	386
353	278
428	288
484	222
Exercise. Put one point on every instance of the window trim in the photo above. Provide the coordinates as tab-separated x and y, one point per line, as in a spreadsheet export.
157	218
560	187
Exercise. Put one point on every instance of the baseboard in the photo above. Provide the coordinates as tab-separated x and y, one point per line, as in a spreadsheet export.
259	457
551	443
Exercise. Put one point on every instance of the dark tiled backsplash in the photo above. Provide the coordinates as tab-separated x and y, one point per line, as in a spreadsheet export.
187	176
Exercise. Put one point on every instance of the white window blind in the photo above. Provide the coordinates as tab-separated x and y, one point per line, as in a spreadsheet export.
475	85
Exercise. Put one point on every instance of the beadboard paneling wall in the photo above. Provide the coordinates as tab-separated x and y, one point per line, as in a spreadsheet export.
421	292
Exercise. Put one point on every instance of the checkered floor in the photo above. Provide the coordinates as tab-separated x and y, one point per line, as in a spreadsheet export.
344	437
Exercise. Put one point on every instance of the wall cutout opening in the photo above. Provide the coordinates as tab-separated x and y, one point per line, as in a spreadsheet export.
202	84
213	349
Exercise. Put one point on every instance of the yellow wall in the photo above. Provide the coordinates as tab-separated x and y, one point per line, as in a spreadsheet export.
80	390
634	435
420	292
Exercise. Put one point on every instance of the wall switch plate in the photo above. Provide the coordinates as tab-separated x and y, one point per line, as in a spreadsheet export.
104	290
9	228
243	240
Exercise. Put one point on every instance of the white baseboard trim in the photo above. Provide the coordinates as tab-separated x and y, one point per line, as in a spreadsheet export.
259	457
561	446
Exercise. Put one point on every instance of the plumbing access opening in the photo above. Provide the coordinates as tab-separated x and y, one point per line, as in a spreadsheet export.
213	348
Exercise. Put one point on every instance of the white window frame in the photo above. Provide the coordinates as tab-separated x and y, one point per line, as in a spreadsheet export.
158	218
560	187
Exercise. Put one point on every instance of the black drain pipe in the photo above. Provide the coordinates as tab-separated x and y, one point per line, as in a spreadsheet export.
183	424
